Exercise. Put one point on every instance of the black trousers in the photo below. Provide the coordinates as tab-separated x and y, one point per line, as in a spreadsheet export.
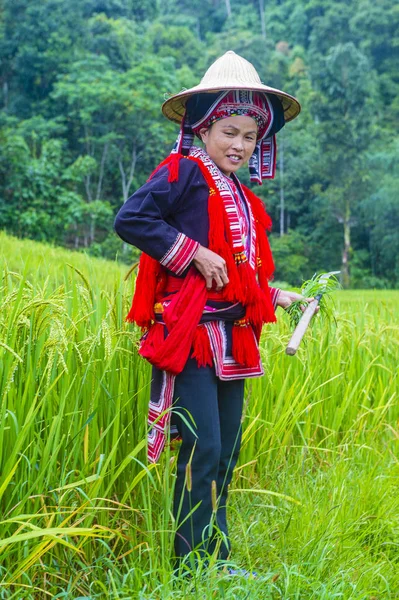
211	440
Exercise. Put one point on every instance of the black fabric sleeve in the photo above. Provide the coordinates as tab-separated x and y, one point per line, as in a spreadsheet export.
143	220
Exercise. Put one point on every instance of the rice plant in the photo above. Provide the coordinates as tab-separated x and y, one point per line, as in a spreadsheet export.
320	286
314	503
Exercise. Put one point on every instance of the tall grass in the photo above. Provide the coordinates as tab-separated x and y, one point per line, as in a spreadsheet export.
314	503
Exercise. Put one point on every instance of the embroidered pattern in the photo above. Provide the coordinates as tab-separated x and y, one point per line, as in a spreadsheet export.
262	163
180	254
274	294
239	102
159	418
226	367
230	200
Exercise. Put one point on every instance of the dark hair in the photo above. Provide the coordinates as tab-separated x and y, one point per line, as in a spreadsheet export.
198	105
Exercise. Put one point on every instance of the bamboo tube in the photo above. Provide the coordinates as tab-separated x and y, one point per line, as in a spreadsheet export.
302	326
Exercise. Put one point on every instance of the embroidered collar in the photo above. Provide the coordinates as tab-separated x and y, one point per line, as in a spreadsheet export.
224	185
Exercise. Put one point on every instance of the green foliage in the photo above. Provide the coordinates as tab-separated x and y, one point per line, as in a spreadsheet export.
381	213
313	505
321	284
290	257
92	76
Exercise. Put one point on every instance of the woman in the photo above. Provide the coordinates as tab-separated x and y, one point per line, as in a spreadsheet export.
202	291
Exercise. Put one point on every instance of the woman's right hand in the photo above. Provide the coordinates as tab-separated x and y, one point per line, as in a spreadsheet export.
212	267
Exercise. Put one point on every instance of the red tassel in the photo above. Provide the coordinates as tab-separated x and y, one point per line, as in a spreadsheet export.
259	308
266	258
249	283
263	223
261	311
202	348
142	309
258	208
172	162
173	167
217	230
244	346
262	279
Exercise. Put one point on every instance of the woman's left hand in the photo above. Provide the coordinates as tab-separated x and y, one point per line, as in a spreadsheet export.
286	298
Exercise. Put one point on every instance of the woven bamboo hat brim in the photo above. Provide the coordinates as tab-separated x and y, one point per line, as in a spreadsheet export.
229	72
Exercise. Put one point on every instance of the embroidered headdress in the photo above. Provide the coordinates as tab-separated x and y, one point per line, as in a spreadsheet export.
202	110
231	86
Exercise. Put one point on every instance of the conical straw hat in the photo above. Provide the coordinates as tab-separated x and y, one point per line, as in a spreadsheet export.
229	72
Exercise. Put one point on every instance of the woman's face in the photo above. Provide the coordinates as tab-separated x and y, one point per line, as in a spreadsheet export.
230	142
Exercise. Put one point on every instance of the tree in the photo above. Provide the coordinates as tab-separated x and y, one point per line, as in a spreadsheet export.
38	43
39	198
116	117
380	212
344	112
82	83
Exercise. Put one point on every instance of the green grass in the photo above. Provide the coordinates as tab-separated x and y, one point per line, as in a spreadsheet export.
314	502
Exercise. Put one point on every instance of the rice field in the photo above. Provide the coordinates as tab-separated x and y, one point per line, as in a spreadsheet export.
314	506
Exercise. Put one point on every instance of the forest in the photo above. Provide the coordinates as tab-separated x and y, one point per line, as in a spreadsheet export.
313	505
82	83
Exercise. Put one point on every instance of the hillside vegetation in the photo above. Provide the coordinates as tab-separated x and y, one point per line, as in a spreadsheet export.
81	128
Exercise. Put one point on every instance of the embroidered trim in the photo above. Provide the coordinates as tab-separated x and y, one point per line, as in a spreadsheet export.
230	200
159	418
241	322
226	367
274	294
239	102
180	254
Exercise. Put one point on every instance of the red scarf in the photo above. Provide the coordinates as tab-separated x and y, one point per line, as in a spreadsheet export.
247	285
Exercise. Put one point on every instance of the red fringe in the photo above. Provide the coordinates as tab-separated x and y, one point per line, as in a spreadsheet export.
261	311
263	223
248	282
262	279
202	348
244	347
266	268
142	309
172	162
174	167
259	307
258	208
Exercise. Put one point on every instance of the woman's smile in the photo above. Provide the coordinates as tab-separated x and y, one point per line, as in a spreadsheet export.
235	159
